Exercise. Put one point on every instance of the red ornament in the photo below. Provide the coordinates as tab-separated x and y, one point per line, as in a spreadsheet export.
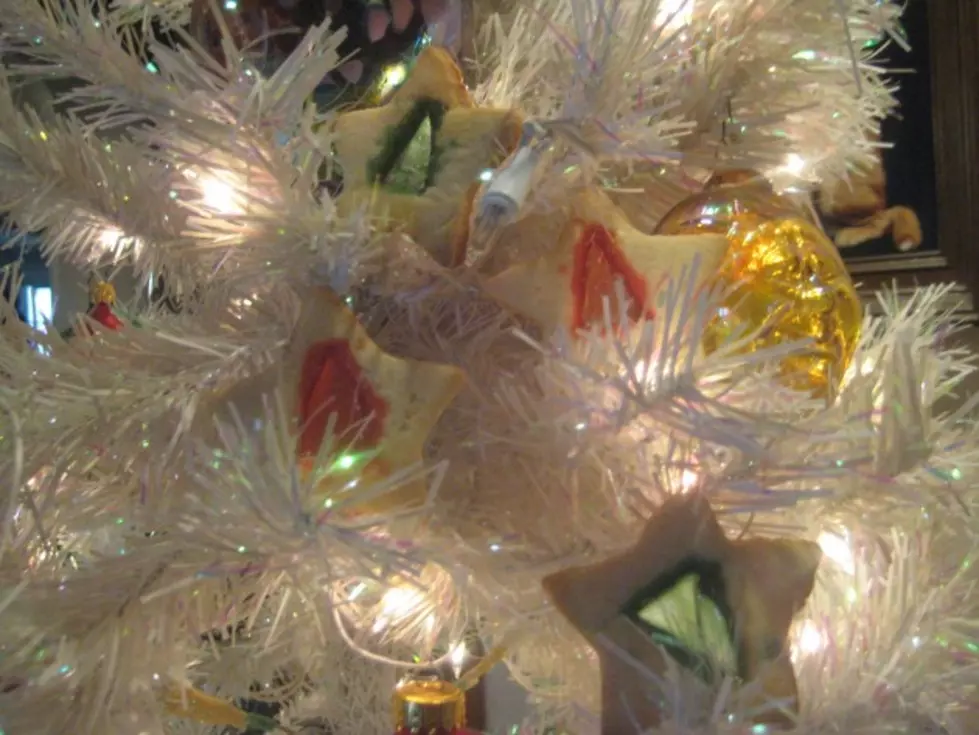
102	313
331	383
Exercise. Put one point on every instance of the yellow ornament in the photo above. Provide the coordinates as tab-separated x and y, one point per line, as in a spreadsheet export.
786	278
102	292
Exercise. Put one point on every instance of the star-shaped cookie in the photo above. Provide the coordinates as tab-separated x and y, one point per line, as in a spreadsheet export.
685	591
360	412
360	415
568	285
416	161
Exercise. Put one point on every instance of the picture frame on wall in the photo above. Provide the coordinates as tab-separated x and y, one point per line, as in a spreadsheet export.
931	162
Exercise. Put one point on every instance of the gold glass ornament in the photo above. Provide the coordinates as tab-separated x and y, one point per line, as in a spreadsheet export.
429	706
786	279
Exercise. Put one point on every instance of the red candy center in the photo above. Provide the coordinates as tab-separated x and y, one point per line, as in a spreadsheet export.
598	262
331	383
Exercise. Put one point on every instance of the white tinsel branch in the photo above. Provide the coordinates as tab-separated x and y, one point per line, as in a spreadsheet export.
698	81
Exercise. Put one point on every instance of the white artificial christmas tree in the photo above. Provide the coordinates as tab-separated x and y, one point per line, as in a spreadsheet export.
384	417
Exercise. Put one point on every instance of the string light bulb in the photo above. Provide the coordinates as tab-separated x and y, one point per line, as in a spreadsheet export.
506	191
397	604
457	657
109	238
392	78
795	164
809	640
688	480
219	196
114	241
674	14
839	550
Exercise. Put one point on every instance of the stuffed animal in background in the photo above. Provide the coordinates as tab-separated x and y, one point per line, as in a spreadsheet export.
855	211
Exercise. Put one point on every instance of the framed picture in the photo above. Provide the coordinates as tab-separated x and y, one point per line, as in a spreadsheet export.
932	167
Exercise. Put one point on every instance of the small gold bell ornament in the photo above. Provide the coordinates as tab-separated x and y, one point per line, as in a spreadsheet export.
785	278
429	706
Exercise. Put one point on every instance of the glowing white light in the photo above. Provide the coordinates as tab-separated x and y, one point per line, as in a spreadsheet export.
795	164
809	639
838	550
400	601
673	14
220	196
393	76
689	480
397	604
114	240
457	657
110	237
